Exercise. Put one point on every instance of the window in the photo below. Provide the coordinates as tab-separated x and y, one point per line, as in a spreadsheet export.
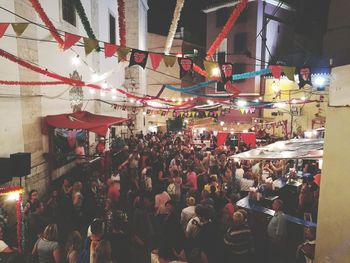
68	12
112	32
221	17
238	68
221	59
240	43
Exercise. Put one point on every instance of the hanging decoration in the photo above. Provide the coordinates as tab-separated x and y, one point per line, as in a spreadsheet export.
155	60
251	74
30	83
227	27
173	26
110	49
289	72
19	28
276	71
185	66
190	88
76	94
40	11
230	88
138	57
169	61
3	28
212	68
85	21
70	40
226	72
121	20
304	77
122	53
90	45
199	70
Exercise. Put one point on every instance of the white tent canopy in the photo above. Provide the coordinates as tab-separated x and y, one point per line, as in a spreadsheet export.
291	149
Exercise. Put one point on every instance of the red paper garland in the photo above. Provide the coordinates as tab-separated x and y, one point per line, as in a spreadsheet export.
36	5
30	83
227	27
121	20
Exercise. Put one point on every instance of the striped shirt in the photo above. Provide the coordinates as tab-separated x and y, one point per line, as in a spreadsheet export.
238	239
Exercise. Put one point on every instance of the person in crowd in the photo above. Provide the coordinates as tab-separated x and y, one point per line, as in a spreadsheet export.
4	248
160	200
306	251
277	232
102	252
66	187
74	245
36	222
32	197
239	240
239	171
188	212
194	225
52	206
47	246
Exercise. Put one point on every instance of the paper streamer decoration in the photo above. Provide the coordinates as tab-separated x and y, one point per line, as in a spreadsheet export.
70	40
211	67
19	28
3	28
122	52
199	70
138	57
227	27
226	72
190	88
121	20
251	74
231	88
289	72
304	77
276	71
90	45
30	83
186	65
155	60
173	26
169	61
110	49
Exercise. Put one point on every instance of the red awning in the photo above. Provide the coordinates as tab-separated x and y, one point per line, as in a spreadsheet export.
83	120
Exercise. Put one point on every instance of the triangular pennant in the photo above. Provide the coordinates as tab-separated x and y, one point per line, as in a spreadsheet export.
89	45
246	111
206	113
252	110
169	61
242	111
110	49
122	52
289	72
219	113
212	68
70	40
186	65
19	28
3	28
226	71
304	76
276	71
138	57
155	59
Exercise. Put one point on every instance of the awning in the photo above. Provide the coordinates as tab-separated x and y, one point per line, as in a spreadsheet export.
83	120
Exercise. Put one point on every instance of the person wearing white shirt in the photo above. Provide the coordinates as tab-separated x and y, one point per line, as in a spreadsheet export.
188	212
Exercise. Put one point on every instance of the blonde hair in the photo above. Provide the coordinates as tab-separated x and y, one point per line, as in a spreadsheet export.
103	252
238	218
50	233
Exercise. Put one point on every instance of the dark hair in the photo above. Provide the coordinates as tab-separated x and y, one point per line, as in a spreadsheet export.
31	192
97	226
202	211
35	205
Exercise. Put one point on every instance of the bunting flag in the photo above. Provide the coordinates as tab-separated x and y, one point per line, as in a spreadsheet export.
242	111
211	67
232	89
304	77
138	57
70	40
3	28
186	65
169	61
110	49
226	72
289	72
122	53
90	45
276	71
19	28
155	60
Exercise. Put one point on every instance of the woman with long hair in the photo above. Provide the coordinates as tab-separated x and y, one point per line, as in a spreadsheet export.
73	246
103	252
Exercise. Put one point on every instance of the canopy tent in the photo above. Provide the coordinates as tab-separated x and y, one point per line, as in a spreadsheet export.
291	149
83	120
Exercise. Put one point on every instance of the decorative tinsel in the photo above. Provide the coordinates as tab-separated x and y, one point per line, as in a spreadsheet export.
173	26
84	20
36	5
30	83
227	27
121	20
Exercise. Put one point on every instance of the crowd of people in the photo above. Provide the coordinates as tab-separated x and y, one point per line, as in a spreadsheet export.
165	201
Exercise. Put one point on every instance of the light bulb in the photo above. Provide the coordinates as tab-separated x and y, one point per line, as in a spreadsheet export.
114	91
216	72
103	94
92	91
76	61
114	97
132	100
241	103
104	85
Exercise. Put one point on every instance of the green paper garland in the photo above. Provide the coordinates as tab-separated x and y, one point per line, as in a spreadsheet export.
84	20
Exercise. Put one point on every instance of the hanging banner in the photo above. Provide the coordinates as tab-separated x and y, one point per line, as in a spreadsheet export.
289	72
226	71
276	71
3	28
122	53
138	57
70	40
232	89
185	66
155	59
169	61
89	45
19	28
304	77
110	49
251	74
211	67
